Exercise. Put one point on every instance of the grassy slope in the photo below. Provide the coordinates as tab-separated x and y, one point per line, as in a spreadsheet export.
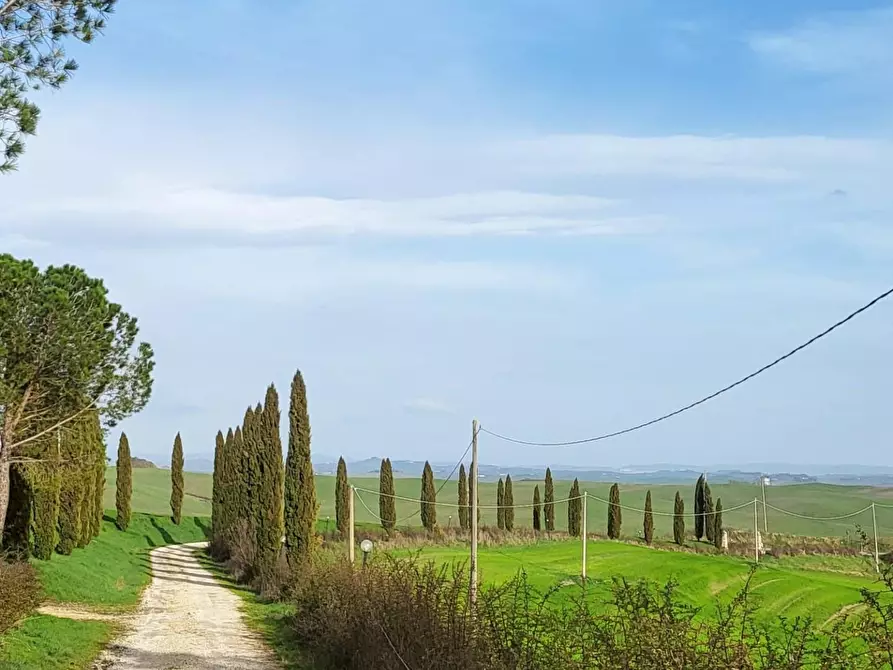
784	588
109	574
151	492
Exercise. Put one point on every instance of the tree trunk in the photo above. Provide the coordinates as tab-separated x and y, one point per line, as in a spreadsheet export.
4	486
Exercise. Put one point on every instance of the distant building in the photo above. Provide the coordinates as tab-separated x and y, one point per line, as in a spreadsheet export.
766	480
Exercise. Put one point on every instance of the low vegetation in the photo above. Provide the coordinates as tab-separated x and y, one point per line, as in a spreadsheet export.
401	613
21	592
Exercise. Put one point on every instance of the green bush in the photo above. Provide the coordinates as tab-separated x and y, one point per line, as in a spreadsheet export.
19	592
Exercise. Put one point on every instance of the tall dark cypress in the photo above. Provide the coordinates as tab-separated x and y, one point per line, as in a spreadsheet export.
509	501
387	505
217	488
500	505
250	471
99	477
574	510
537	509
124	484
708	512
648	526
549	502
428	508
237	514
270	485
177	481
300	489
615	513
679	520
717	525
699	508
70	451
342	499
464	519
231	487
45	486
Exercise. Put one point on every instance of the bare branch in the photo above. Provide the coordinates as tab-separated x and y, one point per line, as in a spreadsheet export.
55	426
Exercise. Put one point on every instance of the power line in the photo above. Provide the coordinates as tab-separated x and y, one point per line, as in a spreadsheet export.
725	389
457	505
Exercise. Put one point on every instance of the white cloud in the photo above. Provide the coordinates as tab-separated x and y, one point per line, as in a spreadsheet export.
857	43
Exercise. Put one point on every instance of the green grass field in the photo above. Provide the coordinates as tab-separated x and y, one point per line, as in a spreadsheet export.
151	493
108	575
782	587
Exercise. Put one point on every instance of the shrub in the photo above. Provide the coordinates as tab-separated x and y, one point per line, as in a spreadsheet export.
19	592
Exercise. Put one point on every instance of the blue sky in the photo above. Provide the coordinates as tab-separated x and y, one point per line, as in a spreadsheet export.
562	218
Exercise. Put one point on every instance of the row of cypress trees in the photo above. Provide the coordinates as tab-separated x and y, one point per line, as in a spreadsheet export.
257	499
56	499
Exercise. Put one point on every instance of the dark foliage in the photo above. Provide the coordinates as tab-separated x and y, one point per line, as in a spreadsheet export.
648	527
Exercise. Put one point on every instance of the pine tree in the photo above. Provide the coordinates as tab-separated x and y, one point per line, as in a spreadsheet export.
615	513
300	489
269	486
649	520
124	484
699	508
217	485
574	510
428	508
387	505
537	509
549	502
717	525
509	502
708	512
500	505
679	520
464	519
342	499
177	481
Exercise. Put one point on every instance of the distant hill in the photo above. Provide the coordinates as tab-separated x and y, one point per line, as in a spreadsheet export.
138	462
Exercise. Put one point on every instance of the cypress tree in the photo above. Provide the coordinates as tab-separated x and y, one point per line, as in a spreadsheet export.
177	482
45	486
509	501
679	520
269	521
342	499
69	456
649	520
238	510
230	491
549	502
99	479
428	509
464	519
708	512
87	480
574	510
500	505
537	511
17	531
615	516
124	484
717	525
387	505
217	488
300	489
699	508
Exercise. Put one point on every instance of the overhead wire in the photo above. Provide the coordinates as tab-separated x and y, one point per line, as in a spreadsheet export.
703	400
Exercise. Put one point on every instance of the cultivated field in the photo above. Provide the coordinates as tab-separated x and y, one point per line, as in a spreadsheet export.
151	493
799	586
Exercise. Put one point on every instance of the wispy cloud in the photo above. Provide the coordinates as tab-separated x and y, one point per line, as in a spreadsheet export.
851	43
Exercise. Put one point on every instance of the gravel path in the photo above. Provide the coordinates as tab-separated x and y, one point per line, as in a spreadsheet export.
186	621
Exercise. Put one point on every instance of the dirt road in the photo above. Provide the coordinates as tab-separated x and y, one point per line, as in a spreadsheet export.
186	621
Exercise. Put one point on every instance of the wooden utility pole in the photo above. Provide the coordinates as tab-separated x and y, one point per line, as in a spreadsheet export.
756	533
877	557
473	563
350	524
765	512
583	571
